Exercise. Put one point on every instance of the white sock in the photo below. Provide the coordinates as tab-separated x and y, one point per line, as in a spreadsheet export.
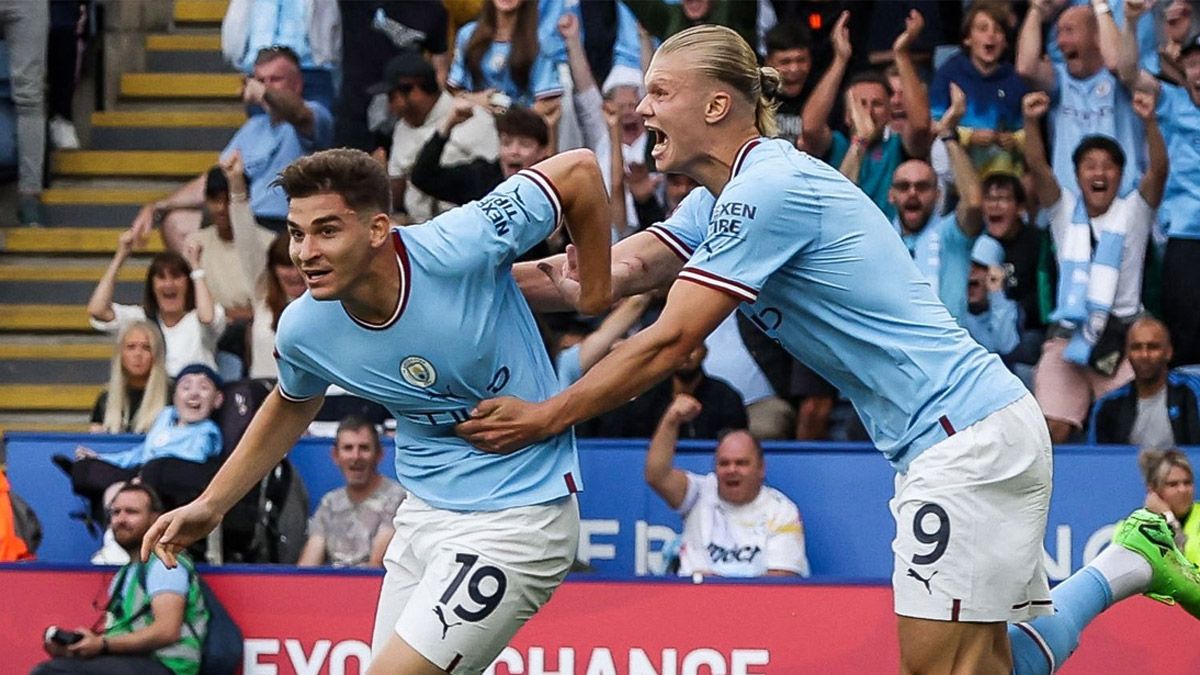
1127	572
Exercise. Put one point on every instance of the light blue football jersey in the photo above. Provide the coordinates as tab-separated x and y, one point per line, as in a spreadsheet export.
820	269
461	333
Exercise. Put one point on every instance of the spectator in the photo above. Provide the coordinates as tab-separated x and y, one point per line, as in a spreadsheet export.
524	141
609	120
1178	113
733	525
643	186
137	388
310	29
69	31
990	128
500	53
1004	200
292	128
182	438
789	51
379	30
662	19
722	407
768	416
268	263
939	245
609	33
575	353
13	547
176	297
353	524
1088	99
1171	491
1159	408
1101	243
880	155
417	100
991	317
26	27
155	620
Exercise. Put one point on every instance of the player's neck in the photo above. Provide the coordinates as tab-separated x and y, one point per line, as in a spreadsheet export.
376	294
714	169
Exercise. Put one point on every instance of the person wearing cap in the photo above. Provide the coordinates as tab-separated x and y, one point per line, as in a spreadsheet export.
991	317
170	457
422	107
1178	113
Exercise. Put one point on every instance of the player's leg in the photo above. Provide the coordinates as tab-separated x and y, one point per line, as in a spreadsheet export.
930	647
970	519
1062	389
486	574
1142	559
403	569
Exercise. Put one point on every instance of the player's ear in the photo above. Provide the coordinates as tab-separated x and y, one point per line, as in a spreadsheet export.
380	229
719	104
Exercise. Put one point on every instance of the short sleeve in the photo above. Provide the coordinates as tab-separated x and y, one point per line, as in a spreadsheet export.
122	315
568	367
295	382
159	579
1170	97
692	496
511	219
217	327
953	237
756	227
688	225
460	77
544	78
785	540
322	134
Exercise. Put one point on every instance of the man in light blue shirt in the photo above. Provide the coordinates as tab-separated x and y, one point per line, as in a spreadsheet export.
292	128
939	245
427	320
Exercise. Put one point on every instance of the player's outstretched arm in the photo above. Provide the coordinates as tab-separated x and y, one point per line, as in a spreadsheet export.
585	208
271	434
692	312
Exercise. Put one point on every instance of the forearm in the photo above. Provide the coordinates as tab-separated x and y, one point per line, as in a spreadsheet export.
1155	178
291	109
616	160
966	183
1109	37
1045	184
100	305
1127	56
917	133
814	118
586	211
155	636
614	327
190	195
205	311
251	252
660	455
1029	44
581	72
276	427
852	162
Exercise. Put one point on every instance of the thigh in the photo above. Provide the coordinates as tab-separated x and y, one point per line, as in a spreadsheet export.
483	579
770	418
102	665
970	518
940	648
91	476
27	29
1062	388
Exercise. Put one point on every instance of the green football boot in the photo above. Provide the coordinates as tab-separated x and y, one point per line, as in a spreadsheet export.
1174	578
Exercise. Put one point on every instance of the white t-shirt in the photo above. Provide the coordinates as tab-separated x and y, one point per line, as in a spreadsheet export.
1138	217
729	360
476	138
187	342
230	284
739	540
262	344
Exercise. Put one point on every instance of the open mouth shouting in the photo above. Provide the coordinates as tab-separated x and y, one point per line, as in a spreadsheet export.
660	140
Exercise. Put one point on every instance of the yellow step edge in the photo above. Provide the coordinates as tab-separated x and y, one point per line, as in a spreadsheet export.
52	352
44	317
183	43
65	273
133	162
87	196
70	240
182	85
48	396
46	427
200	11
168	118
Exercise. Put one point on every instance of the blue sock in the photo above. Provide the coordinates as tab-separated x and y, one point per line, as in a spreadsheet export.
1077	601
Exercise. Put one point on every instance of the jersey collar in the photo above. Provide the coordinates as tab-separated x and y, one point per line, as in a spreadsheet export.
405	287
739	160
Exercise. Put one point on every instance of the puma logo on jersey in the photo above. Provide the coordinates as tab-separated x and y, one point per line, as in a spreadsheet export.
913	573
437	609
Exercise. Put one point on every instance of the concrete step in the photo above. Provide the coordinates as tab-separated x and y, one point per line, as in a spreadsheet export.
96	207
181	53
63	422
200	12
59	371
182	86
156	163
68	240
60	284
164	129
47	318
79	397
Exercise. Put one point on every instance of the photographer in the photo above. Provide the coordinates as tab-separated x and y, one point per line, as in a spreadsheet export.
155	619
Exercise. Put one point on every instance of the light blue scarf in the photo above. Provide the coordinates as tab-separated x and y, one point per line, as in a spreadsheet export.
1087	281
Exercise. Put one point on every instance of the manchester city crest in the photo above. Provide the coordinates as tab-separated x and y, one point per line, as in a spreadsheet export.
418	372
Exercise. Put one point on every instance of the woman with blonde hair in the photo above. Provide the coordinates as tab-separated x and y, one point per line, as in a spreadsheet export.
137	382
1171	491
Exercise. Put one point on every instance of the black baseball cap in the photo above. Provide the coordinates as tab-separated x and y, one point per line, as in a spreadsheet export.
201	369
405	65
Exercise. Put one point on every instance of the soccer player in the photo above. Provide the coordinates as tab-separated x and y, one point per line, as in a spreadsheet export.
427	320
817	267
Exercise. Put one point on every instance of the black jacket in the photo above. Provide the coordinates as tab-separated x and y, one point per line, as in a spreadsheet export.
1113	414
456	183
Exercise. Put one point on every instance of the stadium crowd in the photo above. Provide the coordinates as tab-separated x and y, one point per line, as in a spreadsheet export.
1038	159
